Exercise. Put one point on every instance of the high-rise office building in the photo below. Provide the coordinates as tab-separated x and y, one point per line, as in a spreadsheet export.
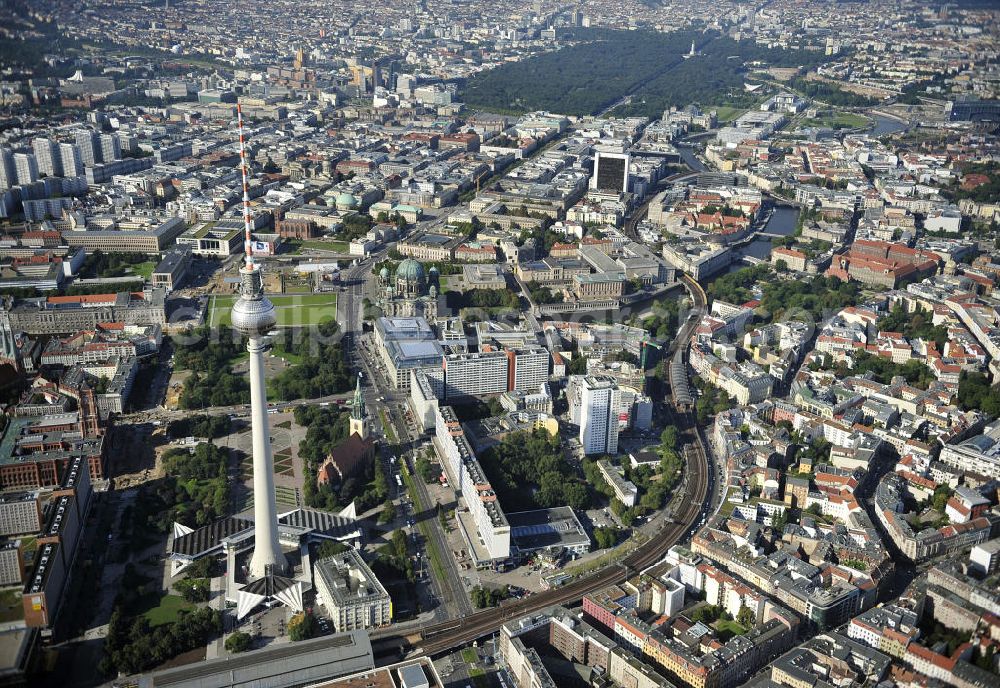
72	162
475	374
89	144
111	148
405	83
598	414
528	369
25	168
47	157
8	175
611	170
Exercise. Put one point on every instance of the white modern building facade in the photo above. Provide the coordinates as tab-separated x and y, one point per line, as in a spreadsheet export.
463	469
475	374
596	399
350	593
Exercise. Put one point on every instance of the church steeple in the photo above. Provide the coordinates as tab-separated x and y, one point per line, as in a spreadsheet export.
359	424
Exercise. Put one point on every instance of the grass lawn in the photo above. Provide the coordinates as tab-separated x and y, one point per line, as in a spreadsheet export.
476	672
727	506
451	282
732	626
291	358
478	677
168	610
294	310
145	269
390	434
283	466
11	607
198	61
320	245
437	562
726	113
286	496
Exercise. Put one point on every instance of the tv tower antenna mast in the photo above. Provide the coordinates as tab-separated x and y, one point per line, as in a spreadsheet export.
247	220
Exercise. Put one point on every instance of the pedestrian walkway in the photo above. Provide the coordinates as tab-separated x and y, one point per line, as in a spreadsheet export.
217	600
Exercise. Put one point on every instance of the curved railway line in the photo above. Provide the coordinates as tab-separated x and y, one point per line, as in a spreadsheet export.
680	383
438	638
688	503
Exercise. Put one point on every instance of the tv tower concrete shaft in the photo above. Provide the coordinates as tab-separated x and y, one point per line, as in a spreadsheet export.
254	316
267	555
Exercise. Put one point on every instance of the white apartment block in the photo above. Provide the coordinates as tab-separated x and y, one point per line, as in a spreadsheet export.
530	368
597	400
423	399
980	454
47	157
475	374
625	490
20	513
668	595
746	382
111	148
11	563
25	168
464	471
8	175
70	159
985	557
495	372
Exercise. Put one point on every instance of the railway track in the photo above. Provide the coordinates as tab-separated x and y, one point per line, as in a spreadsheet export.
439	638
680	388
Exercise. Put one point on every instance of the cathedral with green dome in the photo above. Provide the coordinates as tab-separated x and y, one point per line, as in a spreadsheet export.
408	291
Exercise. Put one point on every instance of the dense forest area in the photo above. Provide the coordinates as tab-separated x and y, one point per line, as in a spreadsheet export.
986	192
528	471
318	367
831	94
194	491
609	65
590	75
812	298
716	77
209	356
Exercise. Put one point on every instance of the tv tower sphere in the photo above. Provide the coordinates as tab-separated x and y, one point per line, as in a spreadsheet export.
253	313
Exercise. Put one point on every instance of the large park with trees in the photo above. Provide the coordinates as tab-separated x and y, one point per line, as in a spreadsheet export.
605	65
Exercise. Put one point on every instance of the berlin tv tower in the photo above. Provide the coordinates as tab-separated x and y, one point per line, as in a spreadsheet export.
254	316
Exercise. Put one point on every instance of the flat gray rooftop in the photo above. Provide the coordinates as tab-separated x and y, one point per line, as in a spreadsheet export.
286	665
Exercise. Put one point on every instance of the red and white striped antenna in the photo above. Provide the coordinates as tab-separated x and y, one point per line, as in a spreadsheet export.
247	222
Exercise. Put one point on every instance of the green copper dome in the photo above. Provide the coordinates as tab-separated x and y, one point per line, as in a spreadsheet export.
346	201
411	271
